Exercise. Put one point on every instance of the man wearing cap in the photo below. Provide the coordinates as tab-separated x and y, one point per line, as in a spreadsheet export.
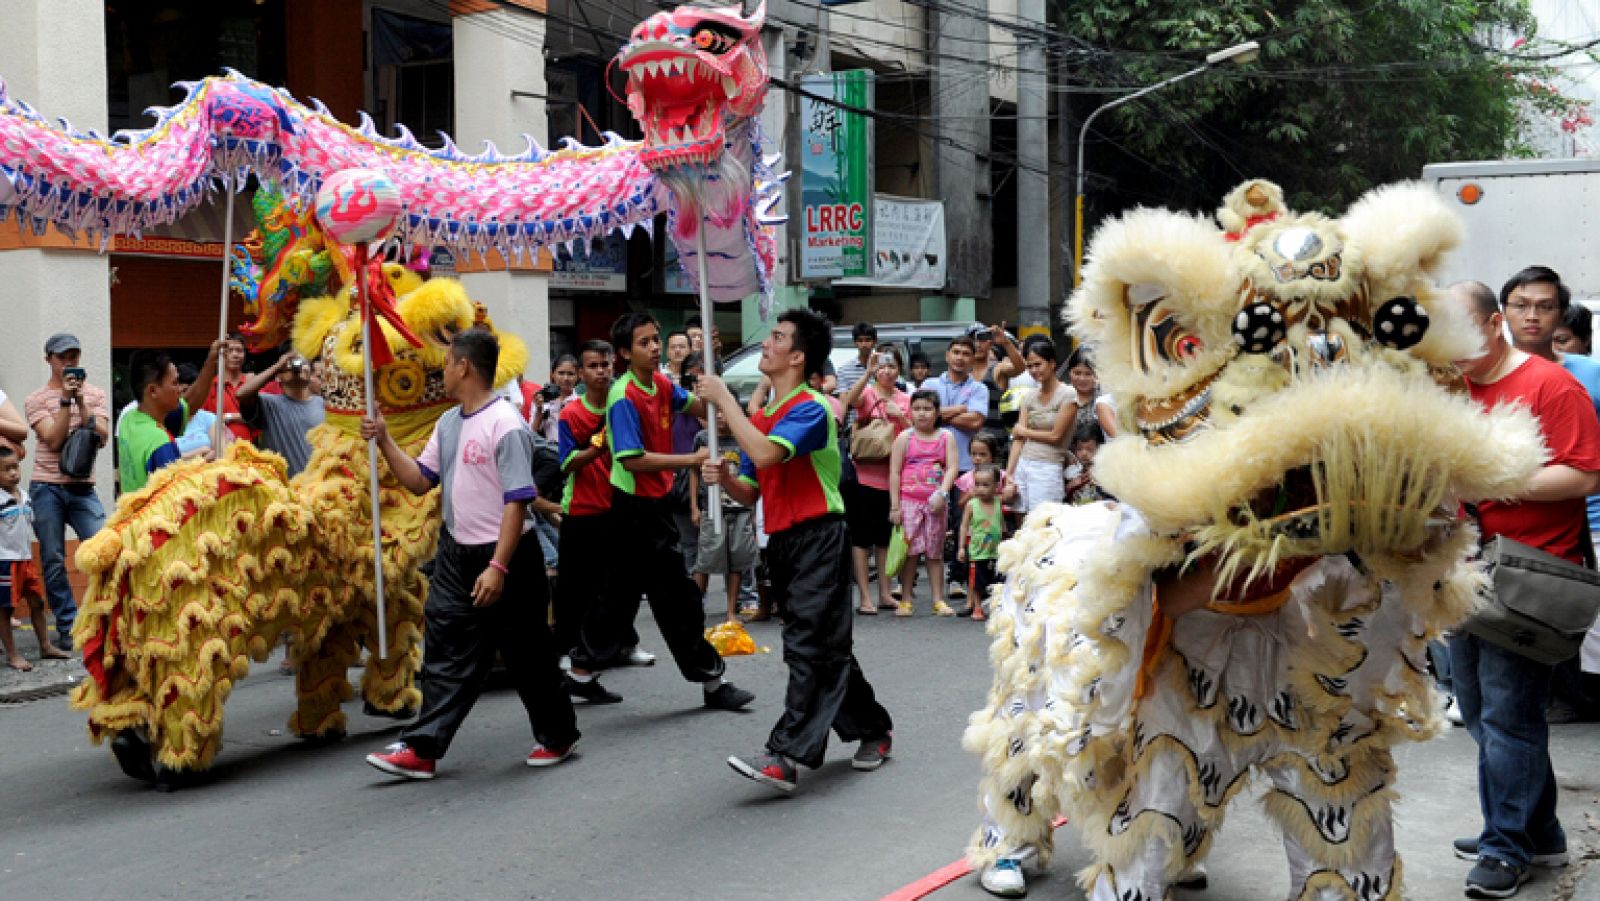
66	402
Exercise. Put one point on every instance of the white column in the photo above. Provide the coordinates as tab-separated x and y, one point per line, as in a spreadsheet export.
498	62
52	55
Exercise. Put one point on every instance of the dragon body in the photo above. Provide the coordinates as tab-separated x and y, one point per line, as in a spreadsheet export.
209	565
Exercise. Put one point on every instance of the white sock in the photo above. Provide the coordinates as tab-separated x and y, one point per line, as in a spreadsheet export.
582	677
711	685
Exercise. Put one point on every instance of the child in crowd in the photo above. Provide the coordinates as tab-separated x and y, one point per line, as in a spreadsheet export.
985	451
982	527
19	578
922	471
733	551
920	370
1079	476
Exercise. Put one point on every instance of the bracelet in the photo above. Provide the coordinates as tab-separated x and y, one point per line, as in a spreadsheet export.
496	564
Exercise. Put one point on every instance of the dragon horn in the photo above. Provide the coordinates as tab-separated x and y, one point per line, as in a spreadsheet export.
758	16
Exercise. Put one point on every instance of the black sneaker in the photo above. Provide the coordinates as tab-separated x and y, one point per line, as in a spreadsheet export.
767	769
404	713
1467	849
591	691
872	753
1492	877
728	696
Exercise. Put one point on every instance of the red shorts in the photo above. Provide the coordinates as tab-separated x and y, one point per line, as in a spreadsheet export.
19	581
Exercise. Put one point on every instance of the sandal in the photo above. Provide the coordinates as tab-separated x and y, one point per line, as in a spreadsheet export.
903	609
54	653
867	611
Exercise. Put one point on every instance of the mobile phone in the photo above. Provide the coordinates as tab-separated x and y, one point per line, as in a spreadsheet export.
74	372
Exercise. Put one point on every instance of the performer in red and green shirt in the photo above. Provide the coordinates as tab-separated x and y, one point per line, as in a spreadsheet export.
789	459
643	547
587	526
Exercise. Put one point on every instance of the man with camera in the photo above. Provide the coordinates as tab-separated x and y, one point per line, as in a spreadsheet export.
284	419
66	404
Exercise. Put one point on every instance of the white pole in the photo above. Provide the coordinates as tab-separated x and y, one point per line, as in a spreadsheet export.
218	429
372	463
709	351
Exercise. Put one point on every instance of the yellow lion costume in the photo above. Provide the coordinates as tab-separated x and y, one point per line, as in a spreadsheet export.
1293	427
205	568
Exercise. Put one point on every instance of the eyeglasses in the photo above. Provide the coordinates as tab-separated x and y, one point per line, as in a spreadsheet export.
1523	308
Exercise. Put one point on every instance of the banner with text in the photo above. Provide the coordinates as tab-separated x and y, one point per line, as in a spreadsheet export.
836	175
907	244
603	268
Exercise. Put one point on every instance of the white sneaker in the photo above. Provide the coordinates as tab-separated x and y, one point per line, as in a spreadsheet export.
636	657
1004	878
565	663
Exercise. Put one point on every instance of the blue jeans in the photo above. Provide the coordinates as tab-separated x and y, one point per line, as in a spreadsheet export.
1503	696
548	541
55	508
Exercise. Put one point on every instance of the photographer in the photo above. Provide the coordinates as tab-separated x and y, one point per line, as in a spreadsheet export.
556	393
284	419
66	402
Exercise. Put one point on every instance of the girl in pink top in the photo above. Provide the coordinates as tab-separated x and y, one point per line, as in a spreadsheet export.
874	396
922	470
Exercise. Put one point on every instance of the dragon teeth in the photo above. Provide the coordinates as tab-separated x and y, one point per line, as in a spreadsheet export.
730	87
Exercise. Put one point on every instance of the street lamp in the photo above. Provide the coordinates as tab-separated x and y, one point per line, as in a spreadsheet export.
1238	54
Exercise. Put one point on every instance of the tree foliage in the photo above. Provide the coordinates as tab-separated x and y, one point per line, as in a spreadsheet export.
1347	94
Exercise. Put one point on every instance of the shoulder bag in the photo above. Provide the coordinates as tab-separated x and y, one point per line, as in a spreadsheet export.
872	441
1539	605
78	452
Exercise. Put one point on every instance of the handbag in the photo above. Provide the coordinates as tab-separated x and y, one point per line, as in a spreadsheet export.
76	460
874	441
1540	605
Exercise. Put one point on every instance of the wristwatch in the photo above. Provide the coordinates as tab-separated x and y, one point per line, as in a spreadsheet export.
66	402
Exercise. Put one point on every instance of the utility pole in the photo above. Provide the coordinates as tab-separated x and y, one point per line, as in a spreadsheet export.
1066	153
1033	173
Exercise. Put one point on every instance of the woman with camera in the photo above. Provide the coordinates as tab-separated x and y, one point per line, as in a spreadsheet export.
882	412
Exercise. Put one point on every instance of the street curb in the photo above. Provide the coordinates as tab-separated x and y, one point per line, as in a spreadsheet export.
35	693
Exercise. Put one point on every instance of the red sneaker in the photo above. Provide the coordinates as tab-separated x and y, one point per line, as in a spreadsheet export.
403	762
543	756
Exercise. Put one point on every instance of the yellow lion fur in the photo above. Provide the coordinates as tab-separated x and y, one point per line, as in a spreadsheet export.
270	557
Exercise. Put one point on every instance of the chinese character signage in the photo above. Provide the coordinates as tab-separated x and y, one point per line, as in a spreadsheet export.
603	268
836	175
908	248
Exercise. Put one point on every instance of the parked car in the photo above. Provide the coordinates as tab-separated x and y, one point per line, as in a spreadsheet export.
740	372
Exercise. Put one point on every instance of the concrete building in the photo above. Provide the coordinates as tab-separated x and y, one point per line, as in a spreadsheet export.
495	70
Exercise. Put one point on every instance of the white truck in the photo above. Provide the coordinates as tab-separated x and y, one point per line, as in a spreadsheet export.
1522	213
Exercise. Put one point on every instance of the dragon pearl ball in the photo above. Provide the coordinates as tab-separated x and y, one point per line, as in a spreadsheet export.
358	206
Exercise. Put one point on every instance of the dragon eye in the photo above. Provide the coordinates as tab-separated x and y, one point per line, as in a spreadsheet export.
1187	347
714	37
1160	338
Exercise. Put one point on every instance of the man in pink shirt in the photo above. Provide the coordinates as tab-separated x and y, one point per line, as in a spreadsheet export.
65	403
488	591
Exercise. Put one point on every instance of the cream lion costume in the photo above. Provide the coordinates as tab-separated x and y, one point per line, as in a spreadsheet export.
205	568
1292	426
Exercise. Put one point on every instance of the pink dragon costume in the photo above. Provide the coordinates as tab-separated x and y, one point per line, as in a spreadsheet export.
205	568
1294	431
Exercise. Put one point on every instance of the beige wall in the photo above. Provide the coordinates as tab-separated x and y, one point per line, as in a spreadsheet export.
46	291
496	53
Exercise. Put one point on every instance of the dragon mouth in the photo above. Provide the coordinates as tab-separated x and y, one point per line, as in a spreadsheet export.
684	98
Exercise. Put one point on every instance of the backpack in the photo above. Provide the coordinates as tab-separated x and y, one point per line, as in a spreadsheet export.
547	476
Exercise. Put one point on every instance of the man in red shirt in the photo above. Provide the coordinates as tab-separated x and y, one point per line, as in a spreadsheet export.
1503	694
643	551
233	378
789	459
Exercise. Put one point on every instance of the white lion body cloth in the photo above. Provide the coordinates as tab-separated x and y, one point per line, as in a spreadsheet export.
1294	434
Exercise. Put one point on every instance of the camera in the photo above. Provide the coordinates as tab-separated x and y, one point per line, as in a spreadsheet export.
549	393
688	380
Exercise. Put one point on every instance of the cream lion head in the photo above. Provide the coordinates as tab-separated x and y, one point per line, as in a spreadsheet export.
1286	388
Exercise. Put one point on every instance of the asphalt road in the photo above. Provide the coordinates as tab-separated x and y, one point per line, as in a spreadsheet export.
647	809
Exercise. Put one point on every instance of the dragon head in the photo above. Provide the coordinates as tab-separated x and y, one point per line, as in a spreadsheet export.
1286	387
691	71
297	265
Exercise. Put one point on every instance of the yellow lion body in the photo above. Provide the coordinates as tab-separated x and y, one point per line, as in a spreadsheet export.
208	566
